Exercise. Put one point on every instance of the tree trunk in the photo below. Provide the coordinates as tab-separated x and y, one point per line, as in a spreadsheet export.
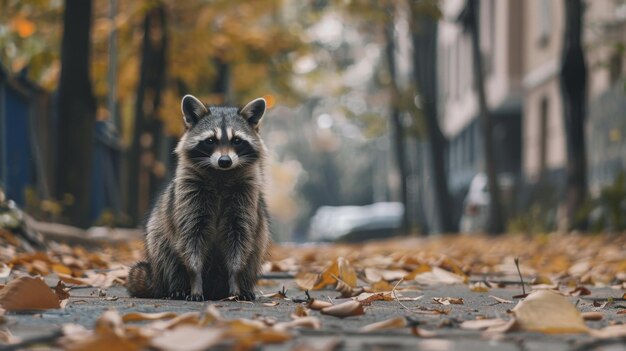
573	79
396	122
496	219
424	37
76	112
147	132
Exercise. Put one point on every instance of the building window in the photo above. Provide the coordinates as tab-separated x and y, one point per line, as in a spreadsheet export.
545	22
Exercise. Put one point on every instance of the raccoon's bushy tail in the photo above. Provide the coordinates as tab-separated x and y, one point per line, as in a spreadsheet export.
140	280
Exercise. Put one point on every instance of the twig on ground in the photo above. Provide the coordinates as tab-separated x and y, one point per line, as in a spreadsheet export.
520	275
393	292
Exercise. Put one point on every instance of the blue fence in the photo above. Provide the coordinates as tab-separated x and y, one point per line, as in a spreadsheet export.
28	133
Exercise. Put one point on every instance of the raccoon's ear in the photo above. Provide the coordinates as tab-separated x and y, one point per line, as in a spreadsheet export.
254	111
193	110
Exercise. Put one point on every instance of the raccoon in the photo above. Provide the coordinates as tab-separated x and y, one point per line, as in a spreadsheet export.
208	233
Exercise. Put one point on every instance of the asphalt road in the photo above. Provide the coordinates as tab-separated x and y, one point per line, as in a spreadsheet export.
87	304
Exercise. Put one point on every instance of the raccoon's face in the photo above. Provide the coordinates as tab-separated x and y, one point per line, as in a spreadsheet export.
221	138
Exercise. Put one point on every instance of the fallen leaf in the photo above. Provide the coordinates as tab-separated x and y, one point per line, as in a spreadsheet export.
282	294
62	291
427	310
192	318
60	268
448	300
482	324
612	331
368	298
346	290
546	311
187	337
306	281
423	333
346	309
541	280
5	271
138	316
479	287
300	311
339	269
300	322
580	291
380	286
28	293
438	276
410	298
592	316
316	304
346	272
7	338
271	304
374	275
500	300
394	323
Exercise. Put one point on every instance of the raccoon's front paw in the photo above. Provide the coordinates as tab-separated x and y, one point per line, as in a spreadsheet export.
246	296
178	295
195	297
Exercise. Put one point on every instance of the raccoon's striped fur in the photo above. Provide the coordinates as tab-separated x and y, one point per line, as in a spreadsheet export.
208	233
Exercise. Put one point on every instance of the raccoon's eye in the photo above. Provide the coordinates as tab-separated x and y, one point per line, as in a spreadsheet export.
236	141
210	141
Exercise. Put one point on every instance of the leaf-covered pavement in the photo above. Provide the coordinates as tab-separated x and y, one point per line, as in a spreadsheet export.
443	293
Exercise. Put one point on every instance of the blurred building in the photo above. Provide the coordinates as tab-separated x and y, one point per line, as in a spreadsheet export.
501	34
545	152
521	43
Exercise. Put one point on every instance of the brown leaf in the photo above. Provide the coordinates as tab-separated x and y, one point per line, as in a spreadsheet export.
306	281
62	291
592	316
394	323
187	337
368	298
380	286
138	316
346	290
346	309
28	293
580	291
271	304
546	311
448	300
340	268
300	311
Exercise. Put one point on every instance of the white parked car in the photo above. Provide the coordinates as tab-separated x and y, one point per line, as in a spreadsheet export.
356	223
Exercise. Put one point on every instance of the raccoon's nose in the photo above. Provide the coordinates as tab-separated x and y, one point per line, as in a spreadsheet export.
224	162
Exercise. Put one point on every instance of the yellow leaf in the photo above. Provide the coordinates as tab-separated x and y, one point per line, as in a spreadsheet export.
24	27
